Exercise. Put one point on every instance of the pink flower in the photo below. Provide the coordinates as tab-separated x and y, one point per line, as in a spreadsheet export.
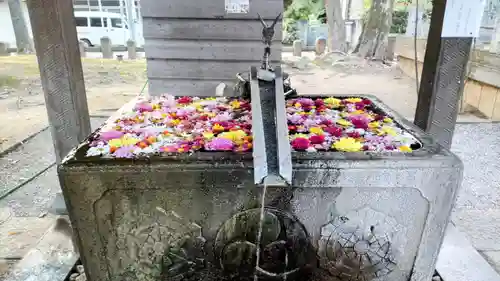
300	144
360	121
125	151
144	107
219	144
109	135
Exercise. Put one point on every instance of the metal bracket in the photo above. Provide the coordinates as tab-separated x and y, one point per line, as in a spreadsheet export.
272	153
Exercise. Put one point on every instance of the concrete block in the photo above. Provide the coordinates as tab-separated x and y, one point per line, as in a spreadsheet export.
82	45
197	215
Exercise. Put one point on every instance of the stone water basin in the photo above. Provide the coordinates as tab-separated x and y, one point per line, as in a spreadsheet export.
165	191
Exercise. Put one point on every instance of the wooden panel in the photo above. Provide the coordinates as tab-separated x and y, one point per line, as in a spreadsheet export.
207	50
472	93
207	9
487	101
189	29
484	74
178	87
185	69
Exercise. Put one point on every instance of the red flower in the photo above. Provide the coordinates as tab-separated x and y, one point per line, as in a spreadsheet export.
300	144
379	117
317	139
292	128
334	131
354	135
367	101
184	100
360	105
326	122
319	102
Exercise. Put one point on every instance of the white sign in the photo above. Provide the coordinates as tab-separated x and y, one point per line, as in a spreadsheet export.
462	18
237	6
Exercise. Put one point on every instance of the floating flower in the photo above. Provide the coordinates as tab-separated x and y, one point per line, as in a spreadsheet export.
187	124
300	143
126	151
316	130
109	135
332	102
220	144
347	145
343	122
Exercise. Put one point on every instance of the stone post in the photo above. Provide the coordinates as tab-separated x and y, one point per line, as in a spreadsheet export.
82	49
391	46
106	48
131	49
4	49
297	48
320	45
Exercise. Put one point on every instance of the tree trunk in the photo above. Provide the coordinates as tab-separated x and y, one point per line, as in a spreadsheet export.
374	38
23	39
336	26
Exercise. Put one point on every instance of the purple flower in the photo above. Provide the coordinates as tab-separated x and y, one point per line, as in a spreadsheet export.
220	144
295	118
109	135
125	151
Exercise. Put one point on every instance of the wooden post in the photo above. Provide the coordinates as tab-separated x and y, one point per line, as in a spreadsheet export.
56	45
131	49
106	48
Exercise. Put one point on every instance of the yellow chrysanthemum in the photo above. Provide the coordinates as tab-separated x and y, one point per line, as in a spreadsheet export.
208	135
388	120
343	122
298	136
175	122
218	128
347	145
235	104
235	136
316	130
297	105
115	143
332	102
374	125
405	148
388	131
353	100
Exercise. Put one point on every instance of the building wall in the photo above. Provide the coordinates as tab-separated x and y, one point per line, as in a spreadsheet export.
7	31
192	46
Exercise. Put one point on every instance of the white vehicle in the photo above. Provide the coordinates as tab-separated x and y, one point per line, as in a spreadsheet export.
92	26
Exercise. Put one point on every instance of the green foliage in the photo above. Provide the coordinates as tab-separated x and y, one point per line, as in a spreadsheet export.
301	10
399	21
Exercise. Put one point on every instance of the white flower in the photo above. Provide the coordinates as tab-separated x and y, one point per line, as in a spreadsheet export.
98	150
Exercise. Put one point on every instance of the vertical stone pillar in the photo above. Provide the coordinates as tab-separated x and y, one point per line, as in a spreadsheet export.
106	48
83	53
4	49
297	48
132	50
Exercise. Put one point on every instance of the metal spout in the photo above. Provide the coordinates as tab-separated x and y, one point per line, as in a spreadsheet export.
272	154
